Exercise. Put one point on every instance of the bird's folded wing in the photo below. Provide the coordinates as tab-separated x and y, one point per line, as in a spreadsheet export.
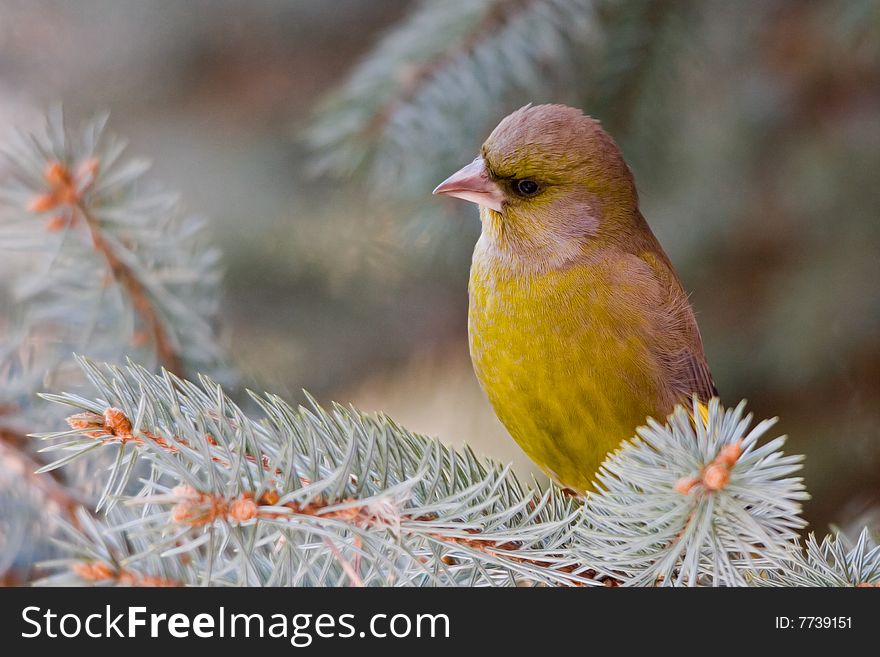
679	345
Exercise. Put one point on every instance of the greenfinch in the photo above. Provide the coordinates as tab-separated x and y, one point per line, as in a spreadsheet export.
579	328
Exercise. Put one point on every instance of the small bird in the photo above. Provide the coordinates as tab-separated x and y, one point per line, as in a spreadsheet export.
579	328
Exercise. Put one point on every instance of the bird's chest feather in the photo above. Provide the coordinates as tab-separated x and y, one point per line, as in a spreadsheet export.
563	355
528	331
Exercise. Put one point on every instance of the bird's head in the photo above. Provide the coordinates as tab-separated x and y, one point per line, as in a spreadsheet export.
548	180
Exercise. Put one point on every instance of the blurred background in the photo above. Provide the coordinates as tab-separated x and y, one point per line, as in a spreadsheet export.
310	134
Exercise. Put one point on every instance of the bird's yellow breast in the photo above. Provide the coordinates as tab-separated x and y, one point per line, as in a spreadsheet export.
563	357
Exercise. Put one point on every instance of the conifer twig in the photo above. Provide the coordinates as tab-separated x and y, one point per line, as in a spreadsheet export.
686	503
65	195
495	15
78	220
14	457
200	508
167	353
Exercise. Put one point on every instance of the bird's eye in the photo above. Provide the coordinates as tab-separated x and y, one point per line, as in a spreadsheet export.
526	187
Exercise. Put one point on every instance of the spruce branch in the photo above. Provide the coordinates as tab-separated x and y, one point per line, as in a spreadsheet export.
444	61
695	502
836	561
15	459
96	261
168	354
308	496
492	17
261	499
90	225
99	557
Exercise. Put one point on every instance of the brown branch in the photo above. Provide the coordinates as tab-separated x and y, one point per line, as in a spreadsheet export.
65	195
496	15
14	455
114	426
124	276
197	509
508	551
103	572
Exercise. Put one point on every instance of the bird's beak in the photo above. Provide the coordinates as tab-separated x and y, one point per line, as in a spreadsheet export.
472	183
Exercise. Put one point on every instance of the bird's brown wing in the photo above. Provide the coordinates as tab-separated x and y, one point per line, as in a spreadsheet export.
691	373
679	347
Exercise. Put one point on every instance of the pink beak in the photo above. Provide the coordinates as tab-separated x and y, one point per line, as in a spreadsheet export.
472	183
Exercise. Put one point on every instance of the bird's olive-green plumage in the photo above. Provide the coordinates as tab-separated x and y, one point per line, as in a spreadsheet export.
579	327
